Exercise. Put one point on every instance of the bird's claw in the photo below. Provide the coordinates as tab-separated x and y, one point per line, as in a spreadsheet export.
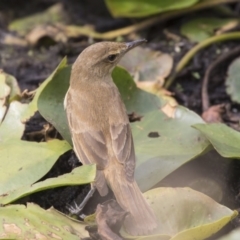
75	210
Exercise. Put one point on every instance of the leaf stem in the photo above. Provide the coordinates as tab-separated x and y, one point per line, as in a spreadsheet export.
190	54
76	30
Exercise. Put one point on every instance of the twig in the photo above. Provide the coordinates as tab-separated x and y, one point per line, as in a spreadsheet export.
190	54
221	59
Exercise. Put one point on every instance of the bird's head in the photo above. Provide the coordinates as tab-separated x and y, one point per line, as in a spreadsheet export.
100	58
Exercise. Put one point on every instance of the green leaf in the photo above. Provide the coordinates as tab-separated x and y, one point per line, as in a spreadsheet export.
183	213
224	139
32	107
80	175
200	29
159	156
50	102
12	128
54	14
26	162
15	91
135	99
33	222
233	80
9	87
143	8
4	88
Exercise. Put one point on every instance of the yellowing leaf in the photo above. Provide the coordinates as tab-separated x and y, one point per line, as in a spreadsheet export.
183	213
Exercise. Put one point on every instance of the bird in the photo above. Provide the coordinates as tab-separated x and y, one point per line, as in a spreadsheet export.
101	132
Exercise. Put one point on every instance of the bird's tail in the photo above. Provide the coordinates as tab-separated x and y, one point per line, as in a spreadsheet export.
141	220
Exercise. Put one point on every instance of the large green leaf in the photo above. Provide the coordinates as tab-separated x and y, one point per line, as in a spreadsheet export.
33	222
160	155
135	99
12	127
233	80
50	102
224	139
183	213
143	8
23	163
32	108
200	29
80	175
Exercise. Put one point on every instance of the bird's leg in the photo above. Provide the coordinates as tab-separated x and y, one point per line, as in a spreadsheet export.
76	209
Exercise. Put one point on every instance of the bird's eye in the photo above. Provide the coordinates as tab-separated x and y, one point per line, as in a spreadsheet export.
112	57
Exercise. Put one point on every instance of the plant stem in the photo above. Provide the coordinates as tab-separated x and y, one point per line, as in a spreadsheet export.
189	55
76	30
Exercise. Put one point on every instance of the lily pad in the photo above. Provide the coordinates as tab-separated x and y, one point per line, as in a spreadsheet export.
50	102
33	222
80	175
12	127
142	8
135	99
183	213
32	107
224	139
200	29
28	162
161	146
233	81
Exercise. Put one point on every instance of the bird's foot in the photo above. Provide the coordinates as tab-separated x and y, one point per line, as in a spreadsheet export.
74	208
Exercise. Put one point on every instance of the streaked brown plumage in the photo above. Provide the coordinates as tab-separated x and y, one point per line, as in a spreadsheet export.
101	131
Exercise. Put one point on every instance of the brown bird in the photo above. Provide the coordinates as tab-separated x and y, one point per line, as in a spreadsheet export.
101	132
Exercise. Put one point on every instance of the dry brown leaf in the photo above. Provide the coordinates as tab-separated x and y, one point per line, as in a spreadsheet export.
147	65
169	110
10	39
227	27
51	31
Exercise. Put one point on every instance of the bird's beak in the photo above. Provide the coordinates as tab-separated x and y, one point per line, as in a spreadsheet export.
131	45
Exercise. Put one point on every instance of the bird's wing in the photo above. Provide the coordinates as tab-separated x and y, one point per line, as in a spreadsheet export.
123	148
89	144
